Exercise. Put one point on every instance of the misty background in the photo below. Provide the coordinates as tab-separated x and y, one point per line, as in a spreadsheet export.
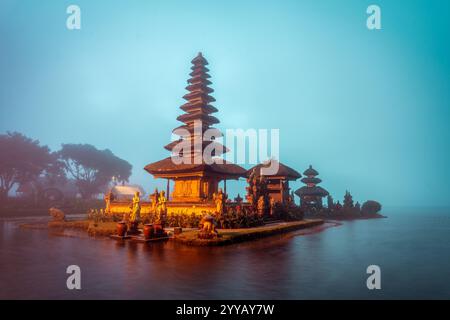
368	109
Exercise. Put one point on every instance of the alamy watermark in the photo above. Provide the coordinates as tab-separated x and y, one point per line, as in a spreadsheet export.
250	146
374	280
74	280
73	21
374	19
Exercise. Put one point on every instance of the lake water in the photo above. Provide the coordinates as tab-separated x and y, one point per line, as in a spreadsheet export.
412	248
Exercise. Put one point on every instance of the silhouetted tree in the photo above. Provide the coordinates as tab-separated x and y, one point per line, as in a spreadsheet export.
93	169
22	160
348	200
54	175
371	207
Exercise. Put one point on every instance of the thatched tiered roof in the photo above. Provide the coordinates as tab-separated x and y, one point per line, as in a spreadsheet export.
283	170
197	119
311	188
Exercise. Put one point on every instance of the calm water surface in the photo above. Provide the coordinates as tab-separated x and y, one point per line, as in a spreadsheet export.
412	247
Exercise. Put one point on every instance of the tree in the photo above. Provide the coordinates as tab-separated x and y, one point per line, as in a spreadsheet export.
22	160
348	200
91	168
371	207
54	175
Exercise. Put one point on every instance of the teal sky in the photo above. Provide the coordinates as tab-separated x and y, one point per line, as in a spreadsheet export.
368	109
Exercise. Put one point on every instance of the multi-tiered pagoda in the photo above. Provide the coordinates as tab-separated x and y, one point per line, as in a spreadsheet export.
192	165
311	195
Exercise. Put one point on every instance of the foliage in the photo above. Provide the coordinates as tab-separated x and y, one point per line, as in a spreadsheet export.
294	214
91	168
99	215
287	212
348	200
371	207
234	217
23	160
243	218
181	219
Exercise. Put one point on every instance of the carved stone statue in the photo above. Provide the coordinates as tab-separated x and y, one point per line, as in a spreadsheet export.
257	188
251	188
261	205
161	207
208	230
290	201
272	206
218	199
136	210
57	214
154	201
109	197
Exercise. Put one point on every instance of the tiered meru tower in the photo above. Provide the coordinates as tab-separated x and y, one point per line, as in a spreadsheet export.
190	166
311	195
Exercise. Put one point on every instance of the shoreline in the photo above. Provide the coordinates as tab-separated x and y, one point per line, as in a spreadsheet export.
188	237
75	224
349	217
233	236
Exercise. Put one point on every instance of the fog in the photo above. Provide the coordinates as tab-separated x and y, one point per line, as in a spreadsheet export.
368	109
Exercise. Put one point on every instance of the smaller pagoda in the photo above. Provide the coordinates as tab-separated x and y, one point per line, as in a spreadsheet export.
311	195
277	183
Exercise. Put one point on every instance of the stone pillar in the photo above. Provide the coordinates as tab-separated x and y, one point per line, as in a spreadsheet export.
168	189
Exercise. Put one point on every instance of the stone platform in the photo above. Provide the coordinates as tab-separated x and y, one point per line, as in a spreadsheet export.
231	236
116	237
141	239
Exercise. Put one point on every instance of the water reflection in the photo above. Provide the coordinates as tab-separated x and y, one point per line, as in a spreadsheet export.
329	264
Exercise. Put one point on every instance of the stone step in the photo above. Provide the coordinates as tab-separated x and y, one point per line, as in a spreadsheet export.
273	221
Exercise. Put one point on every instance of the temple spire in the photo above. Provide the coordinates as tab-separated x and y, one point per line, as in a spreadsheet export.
311	195
198	110
196	182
